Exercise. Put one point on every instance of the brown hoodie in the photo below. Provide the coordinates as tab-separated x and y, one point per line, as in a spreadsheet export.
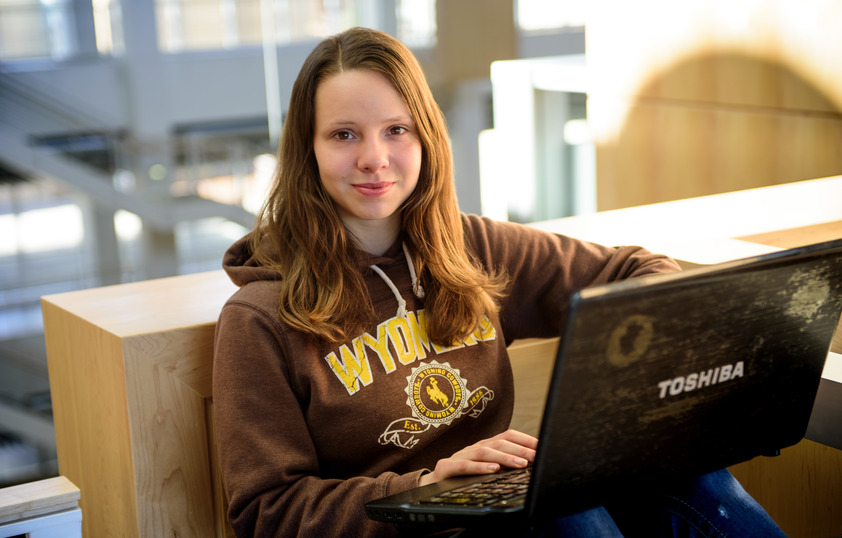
308	432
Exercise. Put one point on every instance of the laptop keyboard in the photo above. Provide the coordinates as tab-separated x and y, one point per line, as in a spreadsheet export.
507	489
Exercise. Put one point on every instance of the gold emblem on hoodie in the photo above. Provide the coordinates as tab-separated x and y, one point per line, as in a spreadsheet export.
436	395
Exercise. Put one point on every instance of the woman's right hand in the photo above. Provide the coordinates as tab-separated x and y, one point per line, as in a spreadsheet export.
512	449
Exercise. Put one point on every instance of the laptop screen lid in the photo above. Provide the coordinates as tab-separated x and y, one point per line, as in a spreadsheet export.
677	375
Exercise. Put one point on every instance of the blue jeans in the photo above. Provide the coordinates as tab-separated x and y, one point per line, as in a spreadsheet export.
711	505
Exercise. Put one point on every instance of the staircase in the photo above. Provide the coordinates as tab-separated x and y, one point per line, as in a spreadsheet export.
35	153
42	138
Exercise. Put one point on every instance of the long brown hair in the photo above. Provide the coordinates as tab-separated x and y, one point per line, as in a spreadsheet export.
300	234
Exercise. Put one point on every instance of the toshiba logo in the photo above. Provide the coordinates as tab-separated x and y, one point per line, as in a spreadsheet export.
694	381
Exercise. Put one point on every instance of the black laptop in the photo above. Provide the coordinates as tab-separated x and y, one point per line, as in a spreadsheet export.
659	378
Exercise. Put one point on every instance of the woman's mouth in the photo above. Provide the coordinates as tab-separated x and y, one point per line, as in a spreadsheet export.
373	189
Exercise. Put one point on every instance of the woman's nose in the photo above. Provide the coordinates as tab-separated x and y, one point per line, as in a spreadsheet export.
374	155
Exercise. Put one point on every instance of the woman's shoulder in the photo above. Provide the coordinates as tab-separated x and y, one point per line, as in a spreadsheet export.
481	231
259	298
476	225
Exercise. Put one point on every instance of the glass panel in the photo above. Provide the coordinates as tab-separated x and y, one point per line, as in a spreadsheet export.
248	22
537	15
23	30
61	27
417	22
201	24
47	28
102	26
210	24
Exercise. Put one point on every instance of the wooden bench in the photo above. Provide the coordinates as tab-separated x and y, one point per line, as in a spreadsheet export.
43	509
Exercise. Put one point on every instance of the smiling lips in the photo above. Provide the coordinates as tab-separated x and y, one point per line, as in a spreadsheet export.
375	189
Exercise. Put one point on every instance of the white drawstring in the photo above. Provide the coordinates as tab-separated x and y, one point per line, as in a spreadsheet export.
401	302
416	286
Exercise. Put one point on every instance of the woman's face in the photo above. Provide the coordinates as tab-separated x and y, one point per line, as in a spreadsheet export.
367	149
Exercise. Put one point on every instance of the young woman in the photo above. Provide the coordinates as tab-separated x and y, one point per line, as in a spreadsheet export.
365	351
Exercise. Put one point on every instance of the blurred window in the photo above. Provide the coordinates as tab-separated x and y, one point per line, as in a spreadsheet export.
36	29
543	15
219	24
108	25
417	23
47	28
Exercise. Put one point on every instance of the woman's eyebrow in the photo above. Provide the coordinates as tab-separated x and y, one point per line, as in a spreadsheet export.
341	122
398	119
348	122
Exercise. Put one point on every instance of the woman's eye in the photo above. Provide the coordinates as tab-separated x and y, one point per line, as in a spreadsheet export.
397	130
343	135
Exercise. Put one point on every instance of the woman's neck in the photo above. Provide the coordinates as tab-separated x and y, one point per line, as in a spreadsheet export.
375	237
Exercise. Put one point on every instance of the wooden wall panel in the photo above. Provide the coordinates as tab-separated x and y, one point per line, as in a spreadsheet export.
785	485
168	380
90	417
695	98
470	35
670	152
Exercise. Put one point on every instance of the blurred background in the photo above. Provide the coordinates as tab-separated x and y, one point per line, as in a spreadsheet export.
137	138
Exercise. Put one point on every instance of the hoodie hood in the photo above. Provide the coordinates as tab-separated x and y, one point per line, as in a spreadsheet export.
241	266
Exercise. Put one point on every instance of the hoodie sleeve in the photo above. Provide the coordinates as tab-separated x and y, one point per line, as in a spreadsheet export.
269	465
546	269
